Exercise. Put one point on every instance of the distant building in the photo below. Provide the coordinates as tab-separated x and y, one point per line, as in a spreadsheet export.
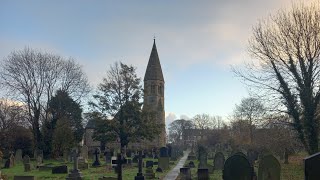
153	101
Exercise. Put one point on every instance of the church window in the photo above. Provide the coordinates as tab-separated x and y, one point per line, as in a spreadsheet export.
153	89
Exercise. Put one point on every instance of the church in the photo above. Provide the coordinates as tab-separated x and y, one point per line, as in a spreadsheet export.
153	102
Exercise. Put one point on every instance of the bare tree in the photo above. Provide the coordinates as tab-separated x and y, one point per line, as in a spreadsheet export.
177	130
252	111
32	76
287	48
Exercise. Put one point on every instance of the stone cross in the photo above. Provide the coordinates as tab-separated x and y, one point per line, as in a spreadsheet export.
75	159
139	174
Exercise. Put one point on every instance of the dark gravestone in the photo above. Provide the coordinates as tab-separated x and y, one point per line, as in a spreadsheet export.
159	170
24	178
311	167
185	173
149	164
237	167
107	155
269	168
164	159
60	169
191	164
203	174
96	162
164	152
218	161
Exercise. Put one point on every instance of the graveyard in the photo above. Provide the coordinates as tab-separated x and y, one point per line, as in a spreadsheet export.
85	96
93	169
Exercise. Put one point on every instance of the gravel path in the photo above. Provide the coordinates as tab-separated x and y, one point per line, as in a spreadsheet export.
173	174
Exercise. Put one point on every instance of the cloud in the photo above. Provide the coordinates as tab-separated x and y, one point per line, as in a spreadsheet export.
185	117
170	117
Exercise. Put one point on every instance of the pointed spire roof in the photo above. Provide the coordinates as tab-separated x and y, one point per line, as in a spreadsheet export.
154	71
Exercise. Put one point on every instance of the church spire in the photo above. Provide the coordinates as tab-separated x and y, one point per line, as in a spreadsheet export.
154	71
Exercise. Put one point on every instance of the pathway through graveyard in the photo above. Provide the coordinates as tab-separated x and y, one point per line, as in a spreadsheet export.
173	174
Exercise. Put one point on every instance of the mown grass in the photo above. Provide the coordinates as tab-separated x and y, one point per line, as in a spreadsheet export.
129	172
292	171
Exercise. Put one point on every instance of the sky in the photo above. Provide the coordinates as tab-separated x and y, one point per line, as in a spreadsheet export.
198	42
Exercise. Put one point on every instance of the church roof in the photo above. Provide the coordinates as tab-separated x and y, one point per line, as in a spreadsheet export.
154	71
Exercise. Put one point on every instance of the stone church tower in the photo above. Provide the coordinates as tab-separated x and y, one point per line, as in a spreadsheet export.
154	93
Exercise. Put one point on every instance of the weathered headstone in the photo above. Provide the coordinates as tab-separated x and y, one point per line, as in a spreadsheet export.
18	156
185	173
96	162
203	174
75	173
311	167
163	159
60	169
202	154
83	163
269	168
237	167
218	161
26	163
65	155
192	155
84	152
107	156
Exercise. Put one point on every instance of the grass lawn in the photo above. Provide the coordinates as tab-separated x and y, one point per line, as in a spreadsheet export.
92	173
292	171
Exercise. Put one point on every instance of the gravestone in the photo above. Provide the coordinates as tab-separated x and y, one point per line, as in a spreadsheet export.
96	162
83	164
65	155
192	155
191	164
311	167
269	168
84	152
185	173
75	173
203	174
26	163
24	178
237	167
149	164
163	159
218	161
107	156
202	154
12	163
18	156
139	174
60	169
149	173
